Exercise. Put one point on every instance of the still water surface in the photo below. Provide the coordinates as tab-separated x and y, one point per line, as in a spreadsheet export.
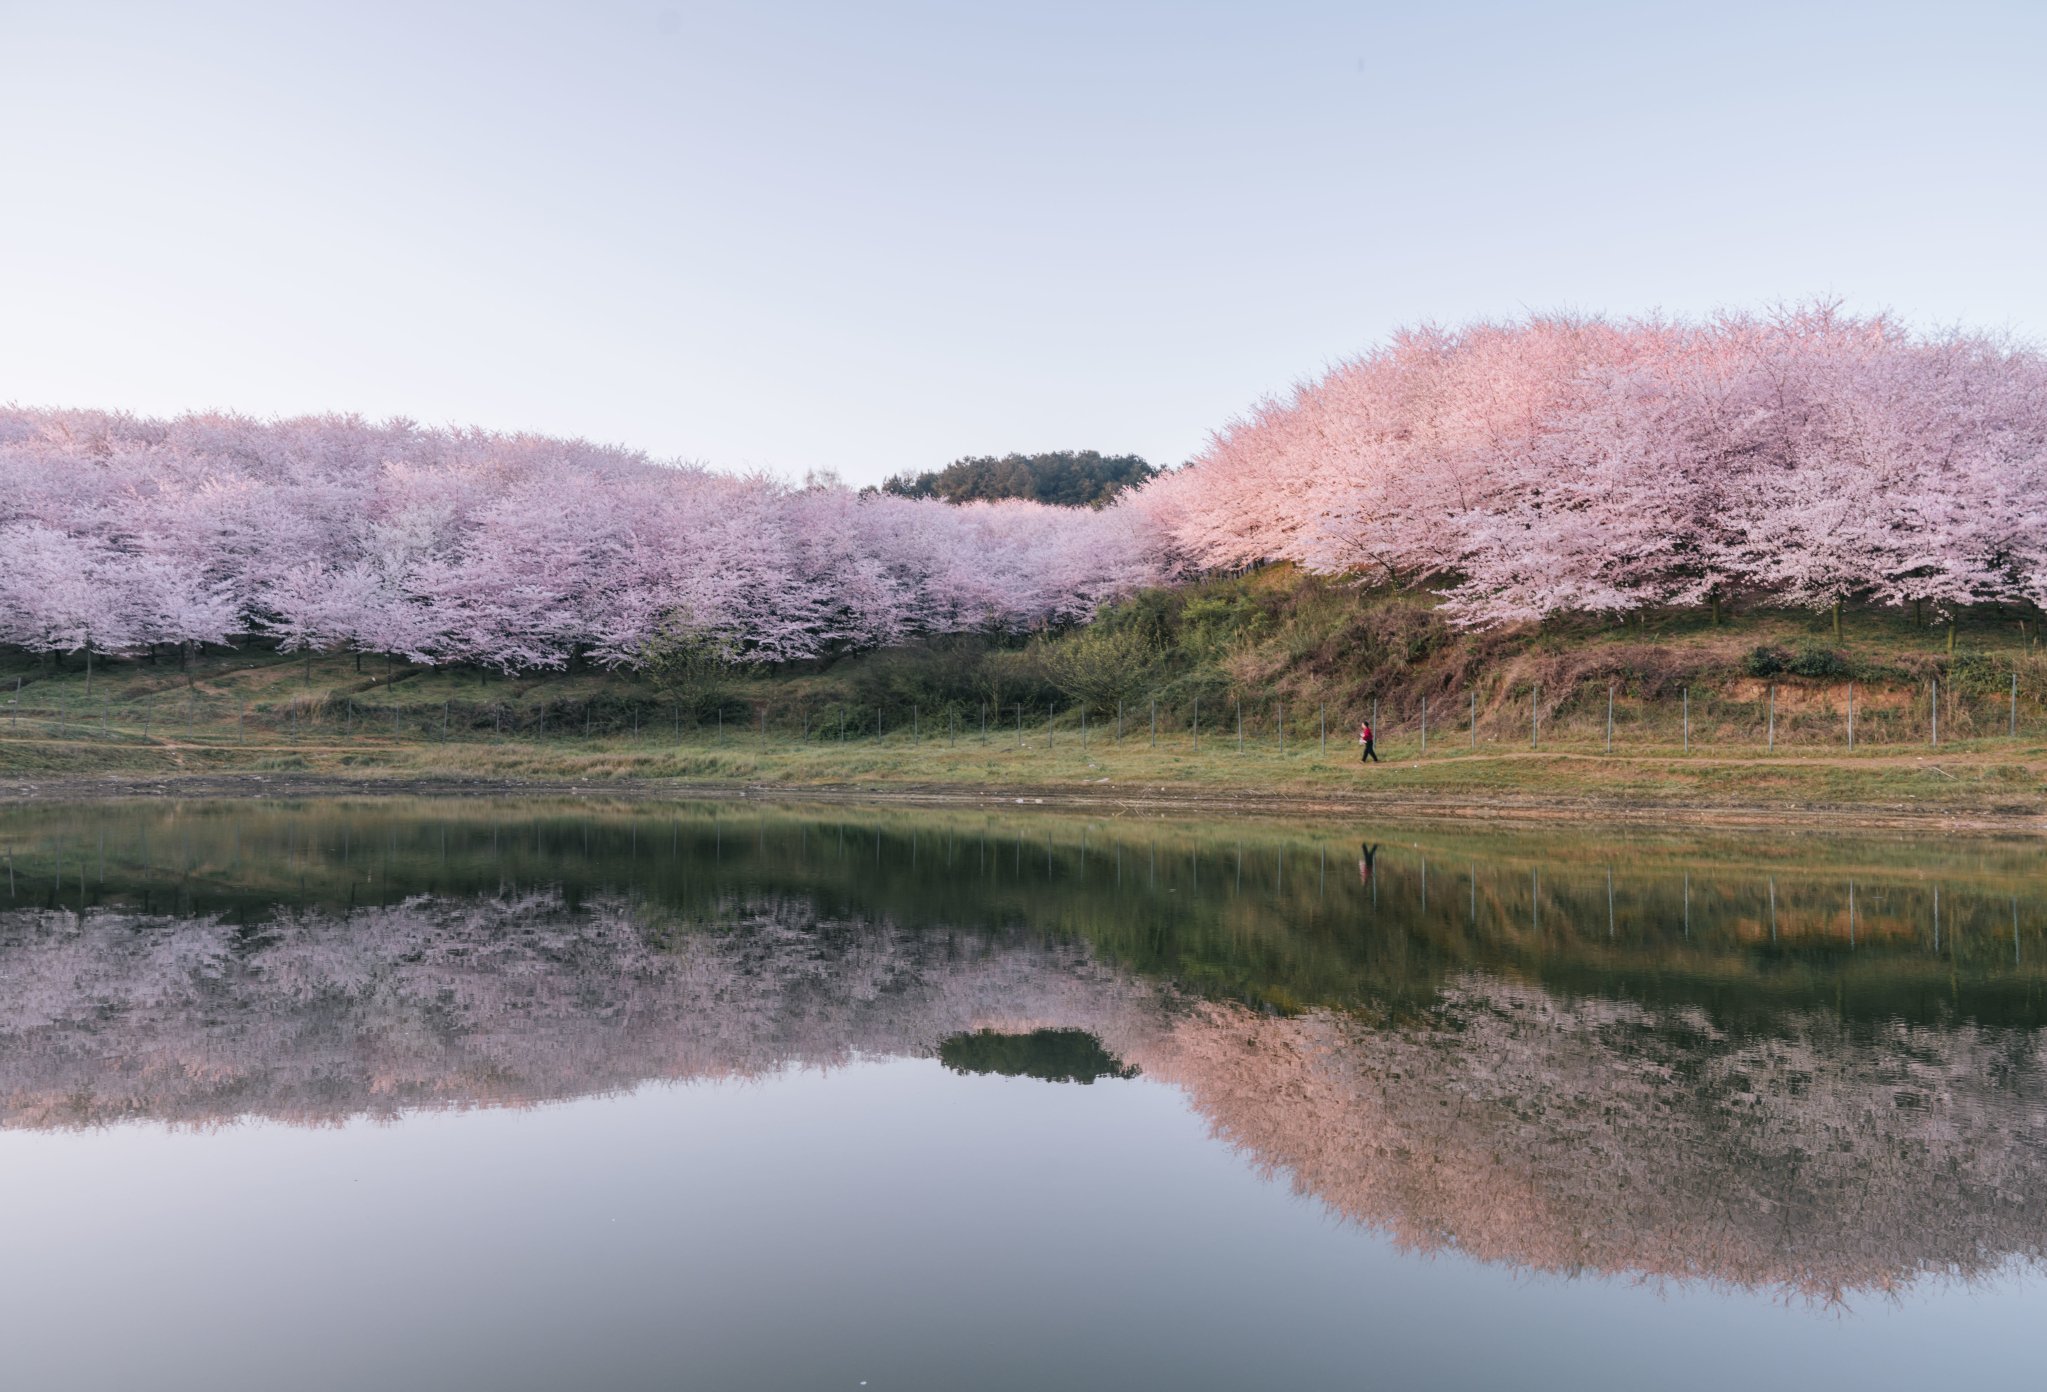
544	1095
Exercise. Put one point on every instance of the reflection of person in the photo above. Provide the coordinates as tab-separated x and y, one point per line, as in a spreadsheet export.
1371	754
1366	855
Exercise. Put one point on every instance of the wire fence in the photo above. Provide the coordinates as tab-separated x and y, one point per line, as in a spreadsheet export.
1746	717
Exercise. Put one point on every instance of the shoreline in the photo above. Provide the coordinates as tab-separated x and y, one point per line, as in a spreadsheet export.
1121	799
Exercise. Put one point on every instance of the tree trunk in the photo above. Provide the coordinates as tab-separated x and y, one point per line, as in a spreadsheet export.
1951	635
1837	621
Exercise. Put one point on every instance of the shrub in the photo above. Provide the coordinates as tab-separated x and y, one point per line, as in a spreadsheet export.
690	665
1818	662
1099	666
1213	624
1974	674
1155	613
956	671
1767	661
1009	678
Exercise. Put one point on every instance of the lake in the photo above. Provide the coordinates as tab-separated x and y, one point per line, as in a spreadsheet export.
547	1094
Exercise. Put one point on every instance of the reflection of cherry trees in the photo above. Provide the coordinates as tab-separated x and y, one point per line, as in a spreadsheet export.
1507	1122
478	1002
1594	1135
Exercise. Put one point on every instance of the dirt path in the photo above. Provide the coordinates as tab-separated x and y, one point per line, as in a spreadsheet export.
1128	799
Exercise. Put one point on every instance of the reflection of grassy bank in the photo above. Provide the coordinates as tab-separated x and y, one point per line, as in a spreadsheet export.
1269	912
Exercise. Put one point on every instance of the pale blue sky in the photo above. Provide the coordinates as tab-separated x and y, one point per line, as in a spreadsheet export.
877	236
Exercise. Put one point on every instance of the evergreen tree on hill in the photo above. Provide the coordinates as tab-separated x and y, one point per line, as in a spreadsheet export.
1063	478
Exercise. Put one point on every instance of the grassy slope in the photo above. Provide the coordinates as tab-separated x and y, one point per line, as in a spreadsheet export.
1312	646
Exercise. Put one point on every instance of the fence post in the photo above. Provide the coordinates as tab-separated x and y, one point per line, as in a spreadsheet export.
241	720
1154	722
1048	725
1772	718
1688	720
1933	705
2014	705
1851	715
1609	717
1425	724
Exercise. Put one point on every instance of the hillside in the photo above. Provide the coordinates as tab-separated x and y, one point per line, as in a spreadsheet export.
1751	711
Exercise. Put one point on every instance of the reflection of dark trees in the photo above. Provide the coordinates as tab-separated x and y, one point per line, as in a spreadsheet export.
1505	1120
1054	1055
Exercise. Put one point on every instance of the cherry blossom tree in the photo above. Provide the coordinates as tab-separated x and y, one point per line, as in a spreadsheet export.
510	552
1579	465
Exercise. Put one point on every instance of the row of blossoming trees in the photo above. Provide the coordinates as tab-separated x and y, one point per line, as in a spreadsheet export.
1567	465
118	534
1554	465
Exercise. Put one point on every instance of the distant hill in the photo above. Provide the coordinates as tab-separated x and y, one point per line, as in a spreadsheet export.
1063	478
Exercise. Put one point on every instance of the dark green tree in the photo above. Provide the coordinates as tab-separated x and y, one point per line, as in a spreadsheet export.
1063	478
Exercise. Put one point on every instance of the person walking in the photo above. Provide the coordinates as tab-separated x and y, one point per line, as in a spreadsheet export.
1371	753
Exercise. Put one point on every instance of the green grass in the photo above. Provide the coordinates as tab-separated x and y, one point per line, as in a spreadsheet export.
1322	652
